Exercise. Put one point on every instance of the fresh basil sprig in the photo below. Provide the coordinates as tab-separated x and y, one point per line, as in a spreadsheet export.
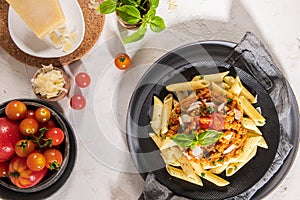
130	11
185	140
190	140
107	7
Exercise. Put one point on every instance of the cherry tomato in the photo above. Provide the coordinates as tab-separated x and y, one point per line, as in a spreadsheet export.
204	122
36	161
217	121
28	126
42	114
21	176
3	169
82	79
24	147
53	158
56	135
30	114
9	136
78	102
49	124
15	110
122	61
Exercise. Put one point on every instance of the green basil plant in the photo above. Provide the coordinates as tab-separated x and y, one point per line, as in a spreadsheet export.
134	12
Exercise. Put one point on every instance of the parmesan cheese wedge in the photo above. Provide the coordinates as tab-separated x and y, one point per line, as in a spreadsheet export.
42	16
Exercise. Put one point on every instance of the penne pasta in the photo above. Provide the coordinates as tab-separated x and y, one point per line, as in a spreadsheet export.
156	115
236	87
187	167
250	125
156	139
229	81
250	144
208	175
234	167
166	111
175	163
262	143
178	173
252	112
219	89
218	170
248	95
192	85
218	77
168	156
167	143
171	155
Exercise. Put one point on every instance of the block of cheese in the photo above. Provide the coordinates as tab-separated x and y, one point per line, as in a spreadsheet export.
42	16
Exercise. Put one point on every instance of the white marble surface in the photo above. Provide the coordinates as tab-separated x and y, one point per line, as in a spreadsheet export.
94	175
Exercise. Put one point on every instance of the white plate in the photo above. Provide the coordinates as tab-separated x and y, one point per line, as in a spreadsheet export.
28	42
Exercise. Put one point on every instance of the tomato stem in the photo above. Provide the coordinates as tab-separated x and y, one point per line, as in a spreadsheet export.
122	58
37	140
23	145
54	166
14	174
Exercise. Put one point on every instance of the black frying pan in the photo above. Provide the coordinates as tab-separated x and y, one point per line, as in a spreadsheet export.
180	65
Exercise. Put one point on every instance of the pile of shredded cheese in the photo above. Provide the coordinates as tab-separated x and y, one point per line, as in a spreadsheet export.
49	82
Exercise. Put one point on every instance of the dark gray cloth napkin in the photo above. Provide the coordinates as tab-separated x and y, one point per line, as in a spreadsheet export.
261	66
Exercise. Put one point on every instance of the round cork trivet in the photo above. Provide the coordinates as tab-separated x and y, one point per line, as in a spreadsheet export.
93	27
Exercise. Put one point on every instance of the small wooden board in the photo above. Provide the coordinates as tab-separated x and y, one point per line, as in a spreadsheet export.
93	27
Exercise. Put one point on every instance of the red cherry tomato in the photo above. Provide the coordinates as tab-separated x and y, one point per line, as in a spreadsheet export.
204	122
22	176
49	124
78	102
9	136
3	169
56	135
30	114
217	121
82	79
42	114
36	161
28	126
122	61
24	147
15	110
53	158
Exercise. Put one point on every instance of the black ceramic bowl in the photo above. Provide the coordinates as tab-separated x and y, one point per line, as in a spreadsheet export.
53	179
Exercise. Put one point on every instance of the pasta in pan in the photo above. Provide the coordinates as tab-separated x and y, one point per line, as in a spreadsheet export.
208	128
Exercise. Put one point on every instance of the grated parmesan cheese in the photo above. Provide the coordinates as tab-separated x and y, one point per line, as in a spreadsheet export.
49	82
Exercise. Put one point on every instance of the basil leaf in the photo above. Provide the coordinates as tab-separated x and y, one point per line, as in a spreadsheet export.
139	34
185	140
129	2
154	3
157	24
129	14
150	15
209	137
108	6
